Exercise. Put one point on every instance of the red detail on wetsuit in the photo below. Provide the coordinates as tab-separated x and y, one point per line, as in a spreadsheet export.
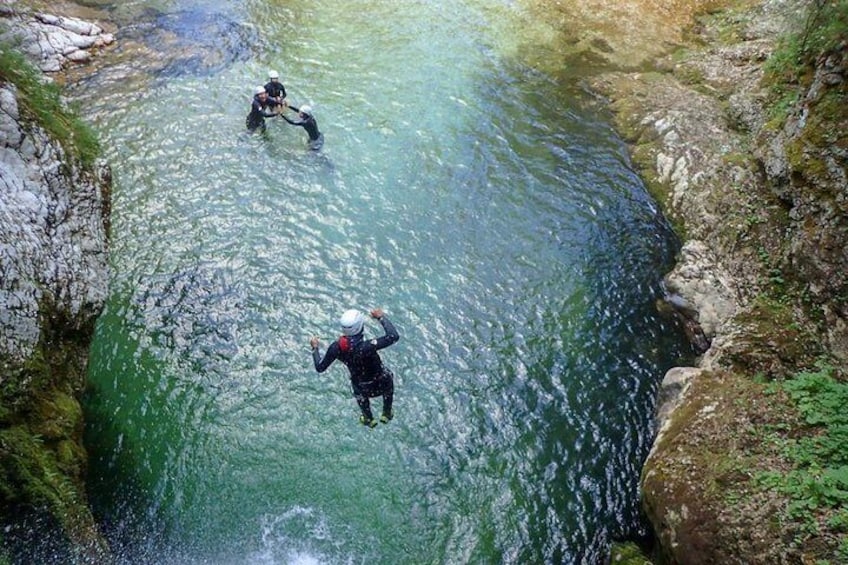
344	344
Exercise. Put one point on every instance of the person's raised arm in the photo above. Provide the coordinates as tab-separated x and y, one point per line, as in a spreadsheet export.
391	333
321	365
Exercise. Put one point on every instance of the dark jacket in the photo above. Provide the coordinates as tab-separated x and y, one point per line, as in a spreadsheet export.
309	124
258	113
360	357
275	90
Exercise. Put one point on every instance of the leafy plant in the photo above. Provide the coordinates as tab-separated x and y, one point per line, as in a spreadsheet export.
819	479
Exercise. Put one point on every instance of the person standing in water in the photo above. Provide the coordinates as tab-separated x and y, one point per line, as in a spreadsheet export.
307	122
369	378
276	92
258	110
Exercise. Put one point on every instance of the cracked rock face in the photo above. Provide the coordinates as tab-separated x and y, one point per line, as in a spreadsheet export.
52	235
53	42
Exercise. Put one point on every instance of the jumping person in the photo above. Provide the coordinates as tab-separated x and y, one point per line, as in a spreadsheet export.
369	378
276	92
307	122
258	110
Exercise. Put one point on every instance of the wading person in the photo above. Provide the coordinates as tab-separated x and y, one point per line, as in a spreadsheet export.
276	92
258	110
369	378
307	122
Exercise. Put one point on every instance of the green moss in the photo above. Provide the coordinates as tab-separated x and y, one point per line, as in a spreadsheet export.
778	339
35	473
743	160
29	473
41	102
42	461
57	415
628	554
70	457
690	75
824	134
691	441
19	382
727	20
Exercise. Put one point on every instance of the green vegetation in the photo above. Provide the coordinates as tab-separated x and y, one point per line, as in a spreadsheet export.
789	70
628	553
816	485
41	102
41	457
42	460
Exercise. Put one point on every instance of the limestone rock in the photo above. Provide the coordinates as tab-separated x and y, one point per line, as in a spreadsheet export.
674	386
699	279
54	42
52	234
53	285
760	200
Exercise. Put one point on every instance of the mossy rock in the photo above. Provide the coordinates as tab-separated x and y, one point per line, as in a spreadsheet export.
42	460
58	415
37	478
29	470
629	554
700	486
18	383
817	154
778	340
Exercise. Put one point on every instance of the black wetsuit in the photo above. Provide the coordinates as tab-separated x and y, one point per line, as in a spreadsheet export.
368	376
275	90
256	118
316	139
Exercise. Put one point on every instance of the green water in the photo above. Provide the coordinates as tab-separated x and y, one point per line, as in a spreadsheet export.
471	196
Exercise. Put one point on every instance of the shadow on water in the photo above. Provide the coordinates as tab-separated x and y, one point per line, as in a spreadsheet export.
154	46
205	42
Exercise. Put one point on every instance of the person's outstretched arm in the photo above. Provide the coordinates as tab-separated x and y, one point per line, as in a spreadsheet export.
391	336
321	365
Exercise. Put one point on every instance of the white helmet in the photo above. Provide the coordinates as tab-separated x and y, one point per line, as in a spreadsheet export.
306	109
259	90
273	74
351	322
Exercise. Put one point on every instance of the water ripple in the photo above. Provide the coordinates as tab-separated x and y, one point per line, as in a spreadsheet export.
499	225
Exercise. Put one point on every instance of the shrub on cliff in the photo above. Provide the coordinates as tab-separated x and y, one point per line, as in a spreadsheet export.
41	102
